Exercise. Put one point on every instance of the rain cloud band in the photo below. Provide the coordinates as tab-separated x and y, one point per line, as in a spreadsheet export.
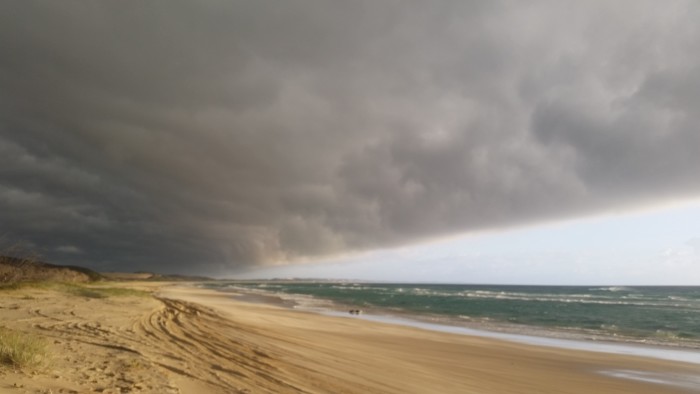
205	137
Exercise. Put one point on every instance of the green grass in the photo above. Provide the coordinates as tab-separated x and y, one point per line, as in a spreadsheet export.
78	290
42	285
21	350
105	292
106	289
11	286
84	292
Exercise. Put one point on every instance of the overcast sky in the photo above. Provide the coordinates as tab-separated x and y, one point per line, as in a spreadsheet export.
218	136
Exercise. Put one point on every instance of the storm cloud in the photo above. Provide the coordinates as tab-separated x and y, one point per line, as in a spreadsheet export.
212	136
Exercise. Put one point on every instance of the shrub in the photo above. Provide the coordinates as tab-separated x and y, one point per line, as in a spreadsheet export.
21	350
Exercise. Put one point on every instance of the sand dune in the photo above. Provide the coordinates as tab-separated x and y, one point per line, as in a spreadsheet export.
189	340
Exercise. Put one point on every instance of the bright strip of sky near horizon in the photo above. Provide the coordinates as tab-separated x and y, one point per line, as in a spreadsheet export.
659	246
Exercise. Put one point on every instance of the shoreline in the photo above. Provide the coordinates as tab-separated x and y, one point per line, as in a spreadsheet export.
537	336
602	346
185	339
684	381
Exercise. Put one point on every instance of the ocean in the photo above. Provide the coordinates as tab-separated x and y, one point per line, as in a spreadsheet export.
667	316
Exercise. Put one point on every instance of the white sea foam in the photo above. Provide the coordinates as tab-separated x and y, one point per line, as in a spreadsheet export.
613	288
575	298
691	382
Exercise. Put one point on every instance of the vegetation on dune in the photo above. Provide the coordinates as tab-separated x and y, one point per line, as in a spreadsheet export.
21	350
17	267
21	269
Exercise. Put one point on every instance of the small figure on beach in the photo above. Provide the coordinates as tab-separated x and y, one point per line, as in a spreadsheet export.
355	311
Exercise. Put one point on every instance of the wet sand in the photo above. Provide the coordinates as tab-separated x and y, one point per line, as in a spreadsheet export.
193	340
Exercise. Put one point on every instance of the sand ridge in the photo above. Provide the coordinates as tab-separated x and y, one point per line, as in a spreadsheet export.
189	340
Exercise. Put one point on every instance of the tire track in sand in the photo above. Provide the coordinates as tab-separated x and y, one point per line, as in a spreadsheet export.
182	340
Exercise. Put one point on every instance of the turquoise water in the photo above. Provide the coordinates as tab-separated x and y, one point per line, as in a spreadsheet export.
660	315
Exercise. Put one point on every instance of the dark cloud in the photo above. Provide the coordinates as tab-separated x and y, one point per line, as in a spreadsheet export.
209	136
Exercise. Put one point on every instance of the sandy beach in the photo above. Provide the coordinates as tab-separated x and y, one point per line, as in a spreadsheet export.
190	340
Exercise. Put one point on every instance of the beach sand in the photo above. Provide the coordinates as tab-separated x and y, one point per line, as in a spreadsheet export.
193	340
